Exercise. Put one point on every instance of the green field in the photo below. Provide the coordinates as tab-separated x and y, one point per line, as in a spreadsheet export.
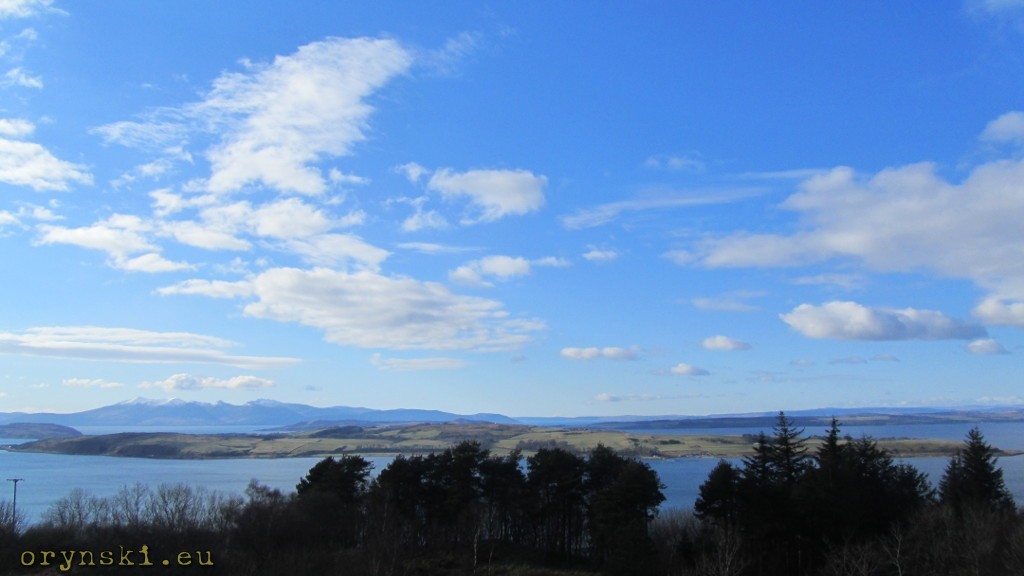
429	438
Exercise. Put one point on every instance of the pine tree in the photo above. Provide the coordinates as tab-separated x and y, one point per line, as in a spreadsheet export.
972	477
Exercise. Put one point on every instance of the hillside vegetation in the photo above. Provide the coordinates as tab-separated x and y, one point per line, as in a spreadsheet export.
429	438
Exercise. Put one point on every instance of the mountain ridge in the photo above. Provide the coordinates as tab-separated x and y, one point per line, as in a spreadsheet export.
263	412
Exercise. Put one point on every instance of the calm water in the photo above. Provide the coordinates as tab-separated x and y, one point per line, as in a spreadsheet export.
49	477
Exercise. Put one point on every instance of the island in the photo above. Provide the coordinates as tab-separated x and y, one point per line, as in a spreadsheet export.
34	430
430	438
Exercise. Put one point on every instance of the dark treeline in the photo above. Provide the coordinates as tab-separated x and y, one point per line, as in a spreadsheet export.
848	509
462	511
844	509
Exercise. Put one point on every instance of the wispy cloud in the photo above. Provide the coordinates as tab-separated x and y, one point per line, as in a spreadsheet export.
416	364
277	120
129	345
608	353
604	213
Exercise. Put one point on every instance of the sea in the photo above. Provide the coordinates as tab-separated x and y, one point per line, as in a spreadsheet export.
48	477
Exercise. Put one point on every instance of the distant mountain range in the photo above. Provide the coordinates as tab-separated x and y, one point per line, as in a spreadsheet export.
271	413
146	412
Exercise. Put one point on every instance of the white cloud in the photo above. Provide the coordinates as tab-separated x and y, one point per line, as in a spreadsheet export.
680	162
415	364
985	346
152	263
16	127
121	236
1000	311
29	164
901	219
7	219
608	352
25	8
605	213
424	219
203	236
684	369
433	248
129	345
729	302
1007	128
499	267
277	121
337	250
18	77
192	382
608	397
446	59
853	321
412	171
369	310
594	254
844	281
724	343
494	193
289	218
210	288
90	383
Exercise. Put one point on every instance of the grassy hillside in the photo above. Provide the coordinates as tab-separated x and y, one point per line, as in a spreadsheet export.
426	438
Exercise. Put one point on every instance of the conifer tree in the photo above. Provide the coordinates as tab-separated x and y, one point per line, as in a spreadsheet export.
972	477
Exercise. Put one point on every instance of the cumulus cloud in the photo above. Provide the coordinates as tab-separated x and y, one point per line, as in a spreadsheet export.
901	219
121	236
1000	311
724	343
192	382
16	127
415	364
852	321
595	254
30	164
370	310
494	194
277	121
498	267
684	369
985	346
1007	128
608	352
129	345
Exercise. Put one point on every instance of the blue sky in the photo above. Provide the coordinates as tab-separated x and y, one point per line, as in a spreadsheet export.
526	208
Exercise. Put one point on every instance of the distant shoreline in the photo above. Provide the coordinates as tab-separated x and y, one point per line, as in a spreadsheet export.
430	438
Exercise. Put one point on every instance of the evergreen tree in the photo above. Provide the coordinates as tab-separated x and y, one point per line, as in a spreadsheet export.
972	477
719	496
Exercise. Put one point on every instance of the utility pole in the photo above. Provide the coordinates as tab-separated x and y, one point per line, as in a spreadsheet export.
14	506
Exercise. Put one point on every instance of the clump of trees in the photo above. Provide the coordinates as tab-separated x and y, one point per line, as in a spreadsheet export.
848	508
460	511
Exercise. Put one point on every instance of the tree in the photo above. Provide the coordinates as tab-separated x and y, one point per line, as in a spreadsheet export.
555	482
332	495
718	501
973	479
